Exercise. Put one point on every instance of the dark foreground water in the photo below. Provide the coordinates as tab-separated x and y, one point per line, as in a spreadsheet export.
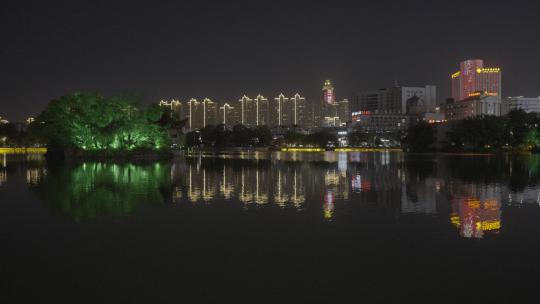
293	228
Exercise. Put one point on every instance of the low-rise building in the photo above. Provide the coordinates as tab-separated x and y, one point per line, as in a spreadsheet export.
527	104
373	122
478	104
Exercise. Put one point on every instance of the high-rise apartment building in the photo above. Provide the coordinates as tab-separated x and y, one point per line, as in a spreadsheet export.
343	111
227	115
262	117
296	111
209	112
280	113
193	114
243	108
288	111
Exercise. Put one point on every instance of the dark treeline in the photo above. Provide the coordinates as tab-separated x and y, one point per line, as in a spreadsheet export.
221	136
517	131
261	136
15	135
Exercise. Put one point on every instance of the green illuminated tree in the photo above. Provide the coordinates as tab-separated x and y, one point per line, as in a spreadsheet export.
91	122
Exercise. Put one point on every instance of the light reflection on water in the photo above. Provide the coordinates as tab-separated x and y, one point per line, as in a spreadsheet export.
469	191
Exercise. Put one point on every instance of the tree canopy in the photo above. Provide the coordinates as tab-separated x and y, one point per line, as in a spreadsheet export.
92	122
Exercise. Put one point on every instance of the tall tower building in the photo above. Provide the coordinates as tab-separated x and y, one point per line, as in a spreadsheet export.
328	93
344	113
194	114
297	110
473	77
227	115
243	108
175	108
209	112
328	104
261	111
279	111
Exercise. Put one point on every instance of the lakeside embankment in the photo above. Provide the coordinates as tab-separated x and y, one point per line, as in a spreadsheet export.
22	150
145	156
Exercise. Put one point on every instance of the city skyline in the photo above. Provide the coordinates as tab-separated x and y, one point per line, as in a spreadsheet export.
162	51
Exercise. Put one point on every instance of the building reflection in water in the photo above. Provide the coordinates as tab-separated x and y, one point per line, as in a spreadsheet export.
329	206
3	170
35	175
3	176
475	208
474	217
252	183
329	185
336	181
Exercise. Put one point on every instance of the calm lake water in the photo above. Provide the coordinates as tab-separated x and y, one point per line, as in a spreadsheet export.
286	228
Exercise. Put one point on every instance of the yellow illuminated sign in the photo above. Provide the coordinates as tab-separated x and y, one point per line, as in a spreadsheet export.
488	70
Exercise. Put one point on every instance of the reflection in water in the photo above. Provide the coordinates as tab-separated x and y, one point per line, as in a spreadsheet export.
96	189
34	175
332	186
328	206
3	172
3	176
473	216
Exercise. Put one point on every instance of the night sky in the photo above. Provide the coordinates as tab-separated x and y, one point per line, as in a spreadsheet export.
223	49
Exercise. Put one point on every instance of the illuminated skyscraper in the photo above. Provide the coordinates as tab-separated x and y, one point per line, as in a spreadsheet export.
328	93
473	77
343	111
227	115
242	108
193	113
175	107
297	110
279	111
327	110
209	112
261	111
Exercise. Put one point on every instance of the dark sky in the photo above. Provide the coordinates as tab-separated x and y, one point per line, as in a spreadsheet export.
223	49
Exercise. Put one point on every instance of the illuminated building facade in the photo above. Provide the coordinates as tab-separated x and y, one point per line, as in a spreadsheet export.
343	111
288	111
373	122
254	112
175	108
242	107
227	115
328	94
478	104
198	114
209	111
397	99
262	111
280	115
193	114
296	111
394	108
474	77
